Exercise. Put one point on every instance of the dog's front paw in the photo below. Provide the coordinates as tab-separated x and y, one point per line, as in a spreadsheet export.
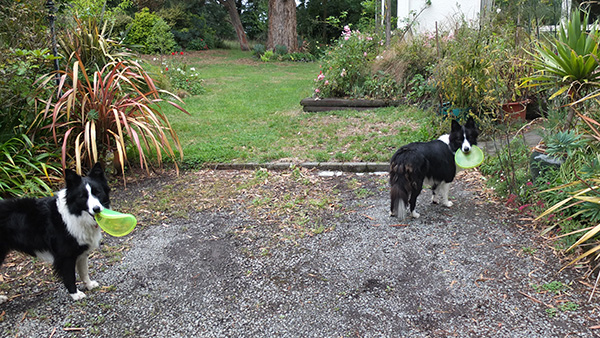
415	214
92	285
78	295
3	299
448	204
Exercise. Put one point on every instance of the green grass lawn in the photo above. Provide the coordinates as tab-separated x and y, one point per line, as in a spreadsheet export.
251	112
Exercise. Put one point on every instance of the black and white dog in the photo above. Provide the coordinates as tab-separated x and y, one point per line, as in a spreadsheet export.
60	229
430	163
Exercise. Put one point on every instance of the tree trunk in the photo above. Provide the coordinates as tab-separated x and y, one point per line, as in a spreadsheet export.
236	22
282	25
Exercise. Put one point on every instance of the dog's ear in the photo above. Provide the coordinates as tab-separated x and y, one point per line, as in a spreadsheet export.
470	122
97	172
71	178
456	126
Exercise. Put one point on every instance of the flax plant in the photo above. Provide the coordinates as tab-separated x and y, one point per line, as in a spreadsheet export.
108	112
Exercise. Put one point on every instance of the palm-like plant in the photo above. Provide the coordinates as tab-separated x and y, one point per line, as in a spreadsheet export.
568	61
116	107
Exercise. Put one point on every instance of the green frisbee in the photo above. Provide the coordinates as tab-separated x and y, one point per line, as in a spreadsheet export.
115	223
469	160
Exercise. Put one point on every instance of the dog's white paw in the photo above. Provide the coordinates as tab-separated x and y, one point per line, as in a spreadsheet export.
448	204
434	199
415	214
3	299
78	295
92	285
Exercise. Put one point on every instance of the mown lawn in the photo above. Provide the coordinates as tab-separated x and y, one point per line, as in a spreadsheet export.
251	112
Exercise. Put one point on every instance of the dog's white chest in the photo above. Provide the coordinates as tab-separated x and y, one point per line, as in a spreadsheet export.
83	227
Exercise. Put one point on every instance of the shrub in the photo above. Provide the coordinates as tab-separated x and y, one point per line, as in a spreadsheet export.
160	40
197	44
346	65
150	31
258	50
95	117
280	50
17	91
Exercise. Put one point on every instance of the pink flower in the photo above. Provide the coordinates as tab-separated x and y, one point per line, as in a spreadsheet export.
365	53
346	37
321	76
346	28
326	82
181	53
317	90
343	72
173	53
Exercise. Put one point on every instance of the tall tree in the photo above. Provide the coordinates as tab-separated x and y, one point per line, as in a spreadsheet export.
236	22
282	25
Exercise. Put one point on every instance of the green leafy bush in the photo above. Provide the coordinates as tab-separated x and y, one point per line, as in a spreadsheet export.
150	31
258	50
346	66
18	73
160	40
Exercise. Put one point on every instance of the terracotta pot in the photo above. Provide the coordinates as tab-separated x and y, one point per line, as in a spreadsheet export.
515	111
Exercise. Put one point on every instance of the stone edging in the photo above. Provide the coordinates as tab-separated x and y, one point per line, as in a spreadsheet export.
355	167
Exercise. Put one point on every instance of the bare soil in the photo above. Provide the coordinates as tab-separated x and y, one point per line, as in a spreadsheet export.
307	254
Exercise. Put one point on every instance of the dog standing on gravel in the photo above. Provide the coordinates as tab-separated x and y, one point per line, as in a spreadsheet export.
60	229
430	163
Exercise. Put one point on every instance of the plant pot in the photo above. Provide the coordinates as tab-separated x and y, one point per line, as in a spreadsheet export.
514	111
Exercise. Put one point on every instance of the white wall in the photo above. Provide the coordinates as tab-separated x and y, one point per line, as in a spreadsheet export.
444	12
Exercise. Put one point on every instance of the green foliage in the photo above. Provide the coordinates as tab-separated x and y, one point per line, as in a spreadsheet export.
481	66
191	31
570	60
105	114
258	50
152	32
280	50
17	91
381	86
346	66
181	76
564	143
160	40
91	43
508	172
267	56
27	169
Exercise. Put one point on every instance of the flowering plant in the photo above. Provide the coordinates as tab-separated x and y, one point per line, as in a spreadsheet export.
180	76
346	65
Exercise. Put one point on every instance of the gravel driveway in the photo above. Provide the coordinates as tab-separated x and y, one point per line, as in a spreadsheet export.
240	266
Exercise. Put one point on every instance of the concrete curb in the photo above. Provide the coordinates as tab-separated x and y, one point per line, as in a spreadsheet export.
354	167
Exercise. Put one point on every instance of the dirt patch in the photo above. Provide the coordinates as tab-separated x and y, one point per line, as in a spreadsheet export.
299	254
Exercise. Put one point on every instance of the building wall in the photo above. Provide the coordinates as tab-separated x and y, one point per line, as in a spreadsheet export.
444	12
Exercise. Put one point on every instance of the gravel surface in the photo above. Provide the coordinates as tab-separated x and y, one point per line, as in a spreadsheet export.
475	270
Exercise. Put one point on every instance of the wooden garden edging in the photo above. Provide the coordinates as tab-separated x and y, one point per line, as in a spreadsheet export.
314	105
